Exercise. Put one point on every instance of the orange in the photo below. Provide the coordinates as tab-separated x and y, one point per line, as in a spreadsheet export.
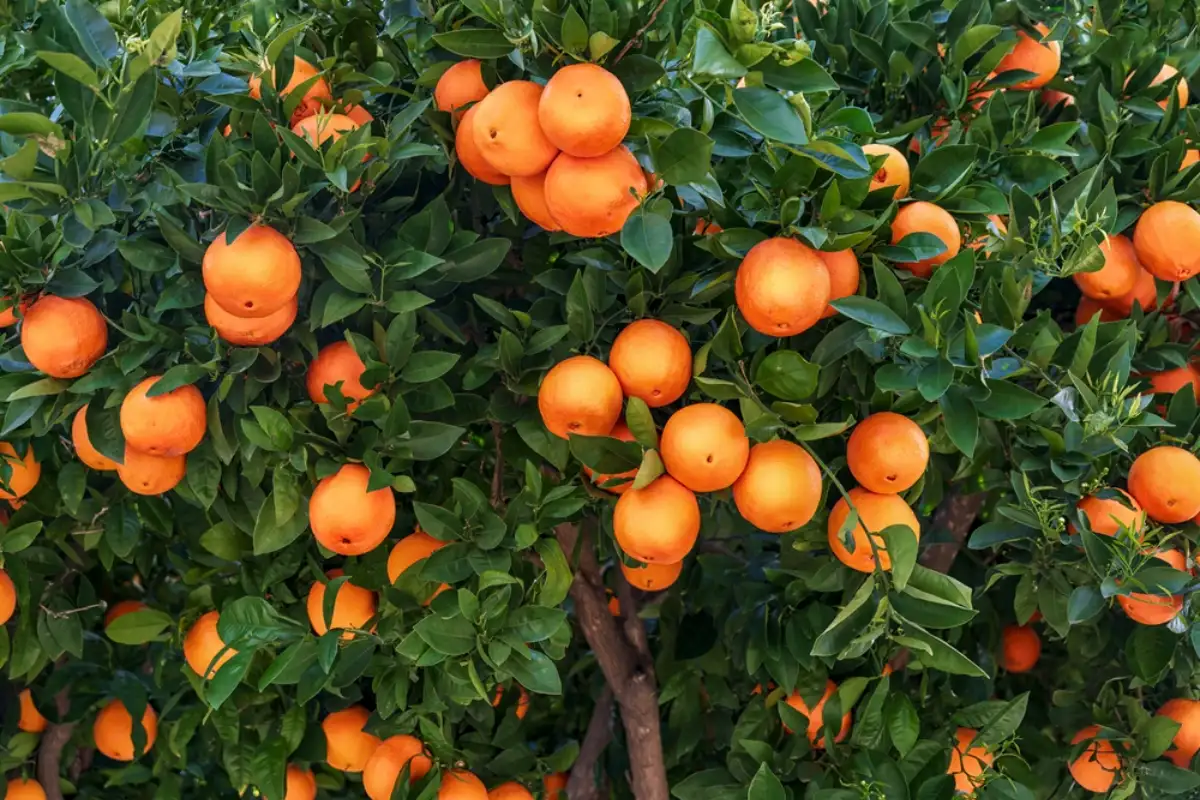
301	784
507	131
459	784
968	763
1020	648
1166	482
170	424
352	608
8	597
816	723
347	745
622	432
1119	274
1033	56
469	154
62	336
1144	293
384	766
147	474
1097	767
316	96
23	472
510	791
842	266
893	171
83	445
31	720
782	287
1052	97
320	128
249	331
1107	516
704	447
652	577
530	193
780	488
554	786
1155	609
118	610
653	361
202	645
8	317
592	197
1187	739
256	275
1190	157
345	517
658	524
876	512
415	547
113	731
584	110
359	114
580	395
337	364
522	700
1170	381
1167	240
706	228
922	217
459	86
1088	308
1181	89
887	453
24	789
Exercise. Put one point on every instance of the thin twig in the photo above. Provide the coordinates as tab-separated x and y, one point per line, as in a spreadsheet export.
642	30
498	469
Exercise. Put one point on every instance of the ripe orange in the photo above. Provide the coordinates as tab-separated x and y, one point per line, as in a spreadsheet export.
658	524
1119	274
510	791
706	228
1190	157
530	193
203	643
383	768
922	217
704	447
113	731
337	364
1144	292
887	453
653	361
1088	308
507	131
1165	73
876	512
1187	739
31	720
24	789
844	274
1155	609
592	197
1167	240
968	763
352	608
1020	648
256	275
347	745
1098	765
301	784
459	86
320	128
345	517
83	445
622	432
580	395
554	786
469	154
249	331
816	723
24	472
1052	97
780	488
1031	55
171	424
316	96
522	700
62	336
584	110
995	229
359	114
459	784
118	610
893	172
1107	516
8	317
8	597
1166	482
782	287
652	577
415	547
147	474
1170	381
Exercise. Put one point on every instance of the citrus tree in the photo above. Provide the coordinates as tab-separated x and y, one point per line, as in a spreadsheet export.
590	399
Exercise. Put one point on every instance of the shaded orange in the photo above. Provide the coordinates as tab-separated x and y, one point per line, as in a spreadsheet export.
923	217
844	275
202	644
170	424
510	791
1167	240
893	172
353	607
347	745
592	197
580	395
1107	516
782	287
887	453
522	700
113	731
584	110
1052	97
780	488
459	86
337	364
507	131
62	336
620	431
316	96
459	784
529	191
8	317
816	723
469	154
704	446
1088	308
658	524
301	784
118	610
554	786
1165	480
24	471
250	331
408	551
1033	56
1117	277
1170	381
652	577
24	789
83	445
1020	648
146	474
31	720
320	128
1097	767
968	763
996	228
345	517
1155	609
1144	293
8	597
256	275
1189	157
1186	712
652	361
383	768
875	512
1165	73
706	228
359	114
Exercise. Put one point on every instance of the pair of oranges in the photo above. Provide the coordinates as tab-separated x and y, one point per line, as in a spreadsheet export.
112	729
251	285
558	145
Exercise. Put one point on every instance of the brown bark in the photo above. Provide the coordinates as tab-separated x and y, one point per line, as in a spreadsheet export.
623	656
54	739
583	783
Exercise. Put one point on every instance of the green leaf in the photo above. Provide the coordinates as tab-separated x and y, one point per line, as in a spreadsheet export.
93	31
1086	602
1160	776
536	623
640	422
872	313
450	637
428	365
651	468
275	425
574	32
765	786
556	580
972	39
606	455
683	157
139	627
901	544
770	114
176	376
24	123
935	378
579	310
1009	401
270	535
903	724
538	673
787	375
944	168
1149	650
133	109
712	60
475	42
961	420
72	66
647	238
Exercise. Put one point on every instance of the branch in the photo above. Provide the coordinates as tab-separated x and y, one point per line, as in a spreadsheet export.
583	785
54	739
497	470
633	41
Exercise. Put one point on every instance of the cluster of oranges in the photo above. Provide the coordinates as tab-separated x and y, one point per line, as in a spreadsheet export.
558	145
251	286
